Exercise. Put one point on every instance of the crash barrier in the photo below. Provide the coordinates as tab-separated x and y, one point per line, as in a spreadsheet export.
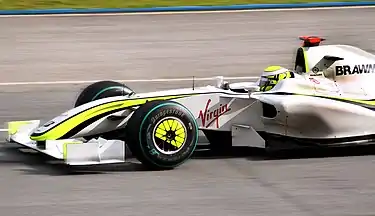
185	8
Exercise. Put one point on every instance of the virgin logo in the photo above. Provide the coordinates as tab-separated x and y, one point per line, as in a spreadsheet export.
210	116
314	80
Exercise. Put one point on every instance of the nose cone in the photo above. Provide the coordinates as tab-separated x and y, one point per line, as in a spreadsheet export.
50	130
40	136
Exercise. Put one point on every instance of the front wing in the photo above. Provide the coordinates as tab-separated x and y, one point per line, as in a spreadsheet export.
70	151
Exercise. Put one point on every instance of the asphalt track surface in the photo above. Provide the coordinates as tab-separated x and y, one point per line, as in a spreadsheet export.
335	182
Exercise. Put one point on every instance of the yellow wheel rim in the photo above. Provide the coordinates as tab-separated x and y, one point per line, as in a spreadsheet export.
169	135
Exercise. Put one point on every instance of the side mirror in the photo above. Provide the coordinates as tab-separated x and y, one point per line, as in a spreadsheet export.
219	81
253	89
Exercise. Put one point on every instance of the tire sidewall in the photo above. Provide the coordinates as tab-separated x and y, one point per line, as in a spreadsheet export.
102	89
148	125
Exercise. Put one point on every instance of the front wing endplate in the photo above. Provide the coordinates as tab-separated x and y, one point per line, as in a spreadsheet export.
70	151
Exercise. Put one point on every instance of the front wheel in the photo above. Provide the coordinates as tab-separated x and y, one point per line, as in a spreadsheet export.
162	134
100	90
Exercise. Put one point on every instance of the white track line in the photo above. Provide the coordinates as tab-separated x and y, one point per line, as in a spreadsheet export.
123	81
191	12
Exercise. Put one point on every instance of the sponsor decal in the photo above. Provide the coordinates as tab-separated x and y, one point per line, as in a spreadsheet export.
315	70
343	70
314	80
210	116
317	74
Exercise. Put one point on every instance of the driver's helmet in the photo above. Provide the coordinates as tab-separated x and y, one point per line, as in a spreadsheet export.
272	75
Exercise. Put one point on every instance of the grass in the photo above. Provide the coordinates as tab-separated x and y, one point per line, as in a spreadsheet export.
49	4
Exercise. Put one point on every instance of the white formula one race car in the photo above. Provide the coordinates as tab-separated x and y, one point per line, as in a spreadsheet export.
330	103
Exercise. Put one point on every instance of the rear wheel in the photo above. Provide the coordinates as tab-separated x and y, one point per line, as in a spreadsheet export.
162	134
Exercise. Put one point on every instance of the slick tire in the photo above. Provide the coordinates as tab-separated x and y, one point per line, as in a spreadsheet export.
162	134
102	89
99	90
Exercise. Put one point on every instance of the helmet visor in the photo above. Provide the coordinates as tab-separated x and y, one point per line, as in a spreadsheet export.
264	81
